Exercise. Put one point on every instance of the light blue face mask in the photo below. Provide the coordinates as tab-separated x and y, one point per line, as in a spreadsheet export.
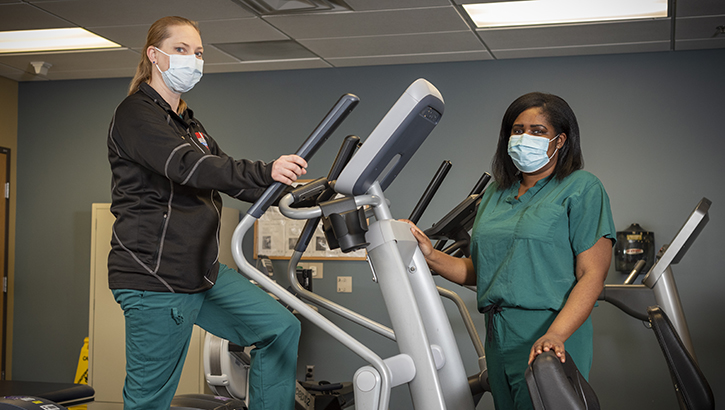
183	73
529	153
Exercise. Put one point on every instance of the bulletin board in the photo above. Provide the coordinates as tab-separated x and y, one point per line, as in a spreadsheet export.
275	236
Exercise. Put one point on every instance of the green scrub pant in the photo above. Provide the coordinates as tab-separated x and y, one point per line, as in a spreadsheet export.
158	331
507	352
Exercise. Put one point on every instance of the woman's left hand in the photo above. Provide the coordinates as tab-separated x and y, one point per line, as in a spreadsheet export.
287	168
546	343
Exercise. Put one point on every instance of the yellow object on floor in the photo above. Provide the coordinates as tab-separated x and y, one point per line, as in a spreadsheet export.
82	370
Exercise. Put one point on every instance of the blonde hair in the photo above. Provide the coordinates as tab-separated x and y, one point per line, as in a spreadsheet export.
158	32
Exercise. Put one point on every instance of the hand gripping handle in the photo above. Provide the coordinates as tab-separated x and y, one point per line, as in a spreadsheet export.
329	124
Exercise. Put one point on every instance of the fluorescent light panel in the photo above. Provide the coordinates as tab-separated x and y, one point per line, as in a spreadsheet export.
540	12
52	40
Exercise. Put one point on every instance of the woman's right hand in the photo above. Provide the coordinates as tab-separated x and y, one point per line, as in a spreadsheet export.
458	270
424	242
287	168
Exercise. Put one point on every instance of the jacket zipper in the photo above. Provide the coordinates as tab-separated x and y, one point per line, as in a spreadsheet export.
194	142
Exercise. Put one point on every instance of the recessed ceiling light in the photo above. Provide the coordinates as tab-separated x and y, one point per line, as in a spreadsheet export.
540	12
56	39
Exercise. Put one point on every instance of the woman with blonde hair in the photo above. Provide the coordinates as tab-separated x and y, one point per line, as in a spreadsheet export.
163	268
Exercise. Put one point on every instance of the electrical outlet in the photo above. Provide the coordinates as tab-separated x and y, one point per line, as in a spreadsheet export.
315	267
344	284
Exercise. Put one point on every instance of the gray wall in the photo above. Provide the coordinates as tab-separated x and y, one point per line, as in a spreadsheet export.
651	131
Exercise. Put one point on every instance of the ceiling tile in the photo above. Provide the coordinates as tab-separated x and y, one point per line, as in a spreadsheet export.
11	72
95	73
219	31
128	36
22	76
213	55
576	34
367	5
94	13
266	50
330	25
265	66
582	50
699	44
688	8
410	59
699	27
82	61
394	45
238	30
477	1
375	32
27	17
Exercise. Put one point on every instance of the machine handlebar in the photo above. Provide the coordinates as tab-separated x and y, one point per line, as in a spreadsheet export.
329	124
430	191
635	272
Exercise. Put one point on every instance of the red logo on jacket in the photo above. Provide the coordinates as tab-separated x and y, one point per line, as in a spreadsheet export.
200	137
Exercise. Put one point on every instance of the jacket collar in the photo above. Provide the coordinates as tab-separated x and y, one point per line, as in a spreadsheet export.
187	115
158	99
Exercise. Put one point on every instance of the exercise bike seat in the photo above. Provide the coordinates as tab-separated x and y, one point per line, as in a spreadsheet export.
554	385
693	391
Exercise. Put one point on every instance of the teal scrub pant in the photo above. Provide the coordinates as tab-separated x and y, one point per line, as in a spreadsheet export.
158	331
507	352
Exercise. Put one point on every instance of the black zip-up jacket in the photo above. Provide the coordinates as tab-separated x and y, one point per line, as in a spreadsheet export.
167	172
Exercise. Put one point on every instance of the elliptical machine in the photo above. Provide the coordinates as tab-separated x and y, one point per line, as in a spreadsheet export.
554	385
226	365
429	361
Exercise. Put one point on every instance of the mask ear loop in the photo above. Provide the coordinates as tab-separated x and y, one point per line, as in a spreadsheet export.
556	150
557	136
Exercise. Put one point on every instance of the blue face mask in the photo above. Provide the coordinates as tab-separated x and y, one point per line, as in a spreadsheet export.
183	73
529	153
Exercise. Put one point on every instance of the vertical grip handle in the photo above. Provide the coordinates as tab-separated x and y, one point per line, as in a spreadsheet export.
349	144
329	124
430	191
481	184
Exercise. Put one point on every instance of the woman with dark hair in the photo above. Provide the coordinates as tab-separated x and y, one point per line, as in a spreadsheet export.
540	249
163	268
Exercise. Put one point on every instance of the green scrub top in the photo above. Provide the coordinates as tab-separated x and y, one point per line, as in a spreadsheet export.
524	250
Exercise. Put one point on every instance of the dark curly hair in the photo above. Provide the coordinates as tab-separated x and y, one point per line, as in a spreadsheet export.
560	116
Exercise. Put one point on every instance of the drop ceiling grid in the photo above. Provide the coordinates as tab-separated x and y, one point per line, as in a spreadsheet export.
395	45
26	17
377	32
369	23
691	8
576	35
596	49
95	13
410	59
69	61
367	5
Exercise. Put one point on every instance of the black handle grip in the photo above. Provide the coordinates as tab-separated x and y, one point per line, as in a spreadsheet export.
344	155
430	191
329	124
482	182
347	149
307	233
